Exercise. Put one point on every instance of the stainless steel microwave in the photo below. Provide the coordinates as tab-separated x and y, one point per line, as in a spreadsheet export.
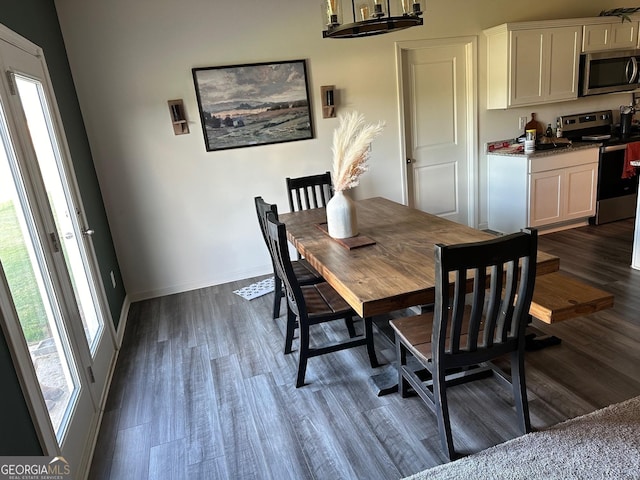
608	72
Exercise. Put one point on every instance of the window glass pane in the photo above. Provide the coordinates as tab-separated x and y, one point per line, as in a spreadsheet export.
32	292
48	156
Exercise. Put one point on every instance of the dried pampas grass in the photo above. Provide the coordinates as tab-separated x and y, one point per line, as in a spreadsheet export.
351	149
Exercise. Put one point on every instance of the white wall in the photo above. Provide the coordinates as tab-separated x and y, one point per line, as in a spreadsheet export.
182	217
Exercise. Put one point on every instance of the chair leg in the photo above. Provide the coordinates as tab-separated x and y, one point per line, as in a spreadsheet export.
401	360
291	328
277	296
520	391
348	321
303	354
371	350
442	412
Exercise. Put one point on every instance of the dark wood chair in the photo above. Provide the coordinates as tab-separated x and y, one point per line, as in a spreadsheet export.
479	318
313	191
310	305
305	273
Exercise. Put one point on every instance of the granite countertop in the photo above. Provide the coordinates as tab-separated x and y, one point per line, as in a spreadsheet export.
511	148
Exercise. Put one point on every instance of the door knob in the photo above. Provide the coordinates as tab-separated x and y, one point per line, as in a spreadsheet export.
88	232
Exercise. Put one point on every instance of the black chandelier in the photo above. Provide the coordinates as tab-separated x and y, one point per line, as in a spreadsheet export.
375	18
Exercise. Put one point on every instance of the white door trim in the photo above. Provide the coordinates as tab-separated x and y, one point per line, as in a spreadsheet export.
9	319
108	334
471	48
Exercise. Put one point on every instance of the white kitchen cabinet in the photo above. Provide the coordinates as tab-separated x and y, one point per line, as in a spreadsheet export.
609	36
581	183
545	198
530	65
563	194
541	190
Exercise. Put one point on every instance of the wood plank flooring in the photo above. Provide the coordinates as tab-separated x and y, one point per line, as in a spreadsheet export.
202	389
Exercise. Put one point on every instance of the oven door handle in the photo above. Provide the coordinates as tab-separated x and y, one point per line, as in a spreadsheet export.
633	62
613	148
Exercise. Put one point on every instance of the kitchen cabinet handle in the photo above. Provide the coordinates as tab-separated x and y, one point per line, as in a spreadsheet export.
614	148
632	62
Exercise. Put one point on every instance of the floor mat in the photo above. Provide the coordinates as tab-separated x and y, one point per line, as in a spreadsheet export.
257	289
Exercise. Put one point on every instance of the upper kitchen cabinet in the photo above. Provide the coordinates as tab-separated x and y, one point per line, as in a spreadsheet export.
610	36
531	63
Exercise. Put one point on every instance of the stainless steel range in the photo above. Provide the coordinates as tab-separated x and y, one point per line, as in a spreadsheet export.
616	196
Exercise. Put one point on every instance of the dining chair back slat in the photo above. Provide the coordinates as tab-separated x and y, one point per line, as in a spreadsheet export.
313	191
310	305
304	273
511	282
479	318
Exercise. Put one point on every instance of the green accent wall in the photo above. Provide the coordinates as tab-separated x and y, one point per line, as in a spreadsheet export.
37	21
18	433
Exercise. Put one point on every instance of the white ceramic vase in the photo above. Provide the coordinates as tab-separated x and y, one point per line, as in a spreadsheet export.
341	216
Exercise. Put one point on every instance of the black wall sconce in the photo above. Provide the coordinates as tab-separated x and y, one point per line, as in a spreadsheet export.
328	93
178	117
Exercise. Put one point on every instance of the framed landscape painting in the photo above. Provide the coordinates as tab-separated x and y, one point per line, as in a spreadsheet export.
254	104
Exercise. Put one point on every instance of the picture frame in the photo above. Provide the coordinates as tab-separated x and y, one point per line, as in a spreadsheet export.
253	104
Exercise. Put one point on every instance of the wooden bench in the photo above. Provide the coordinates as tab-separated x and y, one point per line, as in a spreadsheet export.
559	297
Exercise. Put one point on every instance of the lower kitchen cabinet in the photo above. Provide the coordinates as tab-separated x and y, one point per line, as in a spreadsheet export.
541	190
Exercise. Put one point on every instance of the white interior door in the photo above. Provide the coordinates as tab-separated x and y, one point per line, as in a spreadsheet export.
439	115
50	272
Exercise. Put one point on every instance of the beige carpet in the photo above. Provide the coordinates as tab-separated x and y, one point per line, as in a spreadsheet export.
604	444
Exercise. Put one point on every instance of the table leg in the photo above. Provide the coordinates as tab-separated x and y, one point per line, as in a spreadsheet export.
386	381
537	340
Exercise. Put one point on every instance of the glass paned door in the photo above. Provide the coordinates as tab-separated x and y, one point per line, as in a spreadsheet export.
33	294
48	156
58	336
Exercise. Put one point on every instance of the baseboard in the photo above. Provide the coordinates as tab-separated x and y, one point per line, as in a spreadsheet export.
171	290
93	438
122	324
562	226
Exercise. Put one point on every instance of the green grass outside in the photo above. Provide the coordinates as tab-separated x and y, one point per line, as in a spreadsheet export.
21	277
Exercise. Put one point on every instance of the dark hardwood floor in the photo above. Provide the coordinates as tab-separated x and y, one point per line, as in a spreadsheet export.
202	389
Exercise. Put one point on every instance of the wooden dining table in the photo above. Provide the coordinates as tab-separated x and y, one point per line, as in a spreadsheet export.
390	264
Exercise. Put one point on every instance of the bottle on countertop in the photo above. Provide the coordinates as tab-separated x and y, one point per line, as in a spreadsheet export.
530	141
549	132
558	128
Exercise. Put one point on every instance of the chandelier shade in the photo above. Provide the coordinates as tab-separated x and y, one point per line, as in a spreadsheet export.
375	18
